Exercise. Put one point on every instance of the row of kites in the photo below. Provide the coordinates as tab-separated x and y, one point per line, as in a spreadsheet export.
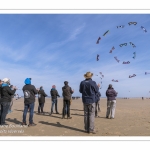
121	45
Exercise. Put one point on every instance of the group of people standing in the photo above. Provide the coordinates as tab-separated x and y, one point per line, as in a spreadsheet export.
90	98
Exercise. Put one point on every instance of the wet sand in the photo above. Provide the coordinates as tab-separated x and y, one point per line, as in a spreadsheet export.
132	119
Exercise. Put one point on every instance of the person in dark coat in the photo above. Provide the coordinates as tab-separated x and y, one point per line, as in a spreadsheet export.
41	99
0	87
11	103
67	94
29	101
111	102
54	95
89	90
98	95
5	99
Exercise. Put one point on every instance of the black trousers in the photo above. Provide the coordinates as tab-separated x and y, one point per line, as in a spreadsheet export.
66	104
40	108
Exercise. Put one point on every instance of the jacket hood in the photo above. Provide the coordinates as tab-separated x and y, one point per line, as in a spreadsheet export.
27	81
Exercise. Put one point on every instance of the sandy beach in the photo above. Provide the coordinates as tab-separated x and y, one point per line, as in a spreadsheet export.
132	119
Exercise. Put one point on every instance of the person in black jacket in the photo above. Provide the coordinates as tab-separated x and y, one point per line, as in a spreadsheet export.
5	100
11	103
0	87
98	95
67	94
54	94
29	99
41	98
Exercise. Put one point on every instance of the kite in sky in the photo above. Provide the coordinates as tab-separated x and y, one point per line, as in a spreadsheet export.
117	59
101	74
147	73
112	49
132	76
97	57
114	80
125	44
132	23
143	29
126	62
105	32
98	40
134	55
132	44
120	26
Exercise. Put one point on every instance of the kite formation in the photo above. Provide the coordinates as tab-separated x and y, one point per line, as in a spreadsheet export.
121	45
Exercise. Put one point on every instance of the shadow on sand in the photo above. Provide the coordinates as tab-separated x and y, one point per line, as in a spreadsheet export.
77	109
13	120
61	126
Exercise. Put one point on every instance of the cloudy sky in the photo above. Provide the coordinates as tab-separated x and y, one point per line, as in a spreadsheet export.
53	48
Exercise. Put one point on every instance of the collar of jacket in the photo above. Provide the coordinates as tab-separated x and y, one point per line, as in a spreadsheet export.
53	89
4	84
88	79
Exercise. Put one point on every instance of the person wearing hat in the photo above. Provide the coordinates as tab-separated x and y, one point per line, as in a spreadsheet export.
5	100
111	102
67	94
41	99
89	90
54	95
29	101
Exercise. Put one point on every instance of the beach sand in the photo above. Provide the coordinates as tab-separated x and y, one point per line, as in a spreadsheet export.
132	118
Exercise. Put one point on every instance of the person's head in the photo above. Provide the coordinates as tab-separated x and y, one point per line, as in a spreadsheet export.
88	75
41	87
53	86
66	82
110	86
6	81
27	81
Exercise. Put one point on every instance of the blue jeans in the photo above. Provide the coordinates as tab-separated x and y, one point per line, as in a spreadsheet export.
4	106
54	101
31	108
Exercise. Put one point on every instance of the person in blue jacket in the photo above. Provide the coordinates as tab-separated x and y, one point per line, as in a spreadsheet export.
89	89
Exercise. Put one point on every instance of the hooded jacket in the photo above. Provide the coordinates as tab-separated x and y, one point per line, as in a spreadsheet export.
67	92
6	93
89	90
41	96
54	93
29	92
111	94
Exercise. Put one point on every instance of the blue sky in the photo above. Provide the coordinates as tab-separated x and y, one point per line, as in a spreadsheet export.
53	48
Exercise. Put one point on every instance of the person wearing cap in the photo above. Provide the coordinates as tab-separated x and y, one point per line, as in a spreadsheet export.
111	102
5	100
89	90
67	94
54	94
41	99
29	101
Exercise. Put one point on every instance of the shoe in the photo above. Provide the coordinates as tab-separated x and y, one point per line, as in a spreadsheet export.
33	124
23	123
111	118
63	117
107	117
93	132
69	117
57	112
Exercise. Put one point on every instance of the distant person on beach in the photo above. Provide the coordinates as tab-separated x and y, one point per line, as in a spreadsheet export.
41	99
5	100
29	101
142	98
54	95
12	97
67	94
111	102
97	104
89	90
